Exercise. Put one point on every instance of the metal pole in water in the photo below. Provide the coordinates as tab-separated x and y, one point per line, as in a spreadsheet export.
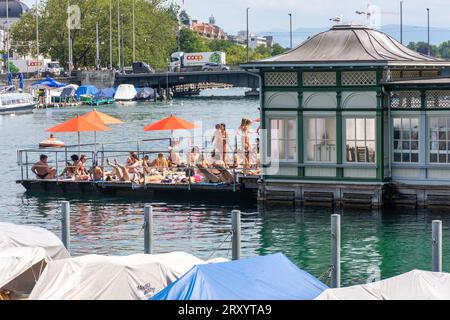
148	229
65	224
437	246
236	240
336	251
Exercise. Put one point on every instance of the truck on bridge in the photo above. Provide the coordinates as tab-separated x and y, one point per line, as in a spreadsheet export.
182	61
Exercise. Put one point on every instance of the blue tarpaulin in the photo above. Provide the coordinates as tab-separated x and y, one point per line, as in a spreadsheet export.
10	79
21	80
49	82
89	90
105	93
271	277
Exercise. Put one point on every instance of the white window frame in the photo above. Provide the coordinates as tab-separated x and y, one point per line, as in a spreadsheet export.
401	140
306	140
447	141
286	118
344	137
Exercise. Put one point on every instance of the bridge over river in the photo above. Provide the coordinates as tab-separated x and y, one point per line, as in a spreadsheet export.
235	78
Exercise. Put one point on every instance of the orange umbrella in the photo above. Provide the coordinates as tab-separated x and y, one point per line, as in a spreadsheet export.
78	124
95	116
170	123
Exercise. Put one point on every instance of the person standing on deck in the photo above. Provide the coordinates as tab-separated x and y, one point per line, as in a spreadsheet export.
217	143
225	143
244	132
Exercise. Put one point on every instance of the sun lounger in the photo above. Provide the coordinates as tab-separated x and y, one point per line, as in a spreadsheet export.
225	174
209	177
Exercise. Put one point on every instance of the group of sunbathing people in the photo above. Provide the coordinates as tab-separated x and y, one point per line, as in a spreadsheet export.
140	171
197	167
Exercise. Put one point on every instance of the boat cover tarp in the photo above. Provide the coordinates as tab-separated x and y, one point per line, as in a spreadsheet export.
20	268
95	277
50	83
68	92
13	235
271	277
125	92
413	285
146	94
86	90
105	93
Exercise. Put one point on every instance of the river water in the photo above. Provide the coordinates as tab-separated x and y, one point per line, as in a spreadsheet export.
375	244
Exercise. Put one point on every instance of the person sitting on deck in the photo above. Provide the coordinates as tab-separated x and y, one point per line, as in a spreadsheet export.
174	152
132	158
96	172
42	170
193	156
134	165
160	162
70	170
81	174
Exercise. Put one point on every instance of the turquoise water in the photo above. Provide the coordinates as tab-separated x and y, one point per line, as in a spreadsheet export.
374	243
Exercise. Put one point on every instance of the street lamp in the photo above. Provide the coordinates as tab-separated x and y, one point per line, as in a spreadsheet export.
290	27
247	36
110	35
401	22
428	19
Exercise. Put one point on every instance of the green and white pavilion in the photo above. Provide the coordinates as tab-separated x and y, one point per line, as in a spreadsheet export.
354	117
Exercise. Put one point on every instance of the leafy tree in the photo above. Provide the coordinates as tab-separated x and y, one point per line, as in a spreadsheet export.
192	42
13	68
444	50
277	49
155	25
422	47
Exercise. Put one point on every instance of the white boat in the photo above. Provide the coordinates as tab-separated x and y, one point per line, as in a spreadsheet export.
125	92
16	102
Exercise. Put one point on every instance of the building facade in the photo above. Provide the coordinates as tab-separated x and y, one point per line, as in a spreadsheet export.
208	30
353	116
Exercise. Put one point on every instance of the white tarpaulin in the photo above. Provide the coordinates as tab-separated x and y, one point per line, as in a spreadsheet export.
20	268
13	235
414	285
95	277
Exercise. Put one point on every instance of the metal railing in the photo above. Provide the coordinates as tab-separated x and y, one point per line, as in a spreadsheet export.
97	154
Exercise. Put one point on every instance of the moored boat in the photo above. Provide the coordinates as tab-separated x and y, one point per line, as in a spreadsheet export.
16	102
125	92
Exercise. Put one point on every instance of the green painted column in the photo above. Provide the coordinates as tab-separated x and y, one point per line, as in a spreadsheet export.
300	138
380	145
339	136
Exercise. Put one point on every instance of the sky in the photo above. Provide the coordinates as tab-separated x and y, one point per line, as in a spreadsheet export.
272	15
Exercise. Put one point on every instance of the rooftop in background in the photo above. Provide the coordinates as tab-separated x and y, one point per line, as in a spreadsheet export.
351	44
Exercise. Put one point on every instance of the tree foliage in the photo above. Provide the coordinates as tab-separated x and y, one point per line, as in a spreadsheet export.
155	31
439	51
